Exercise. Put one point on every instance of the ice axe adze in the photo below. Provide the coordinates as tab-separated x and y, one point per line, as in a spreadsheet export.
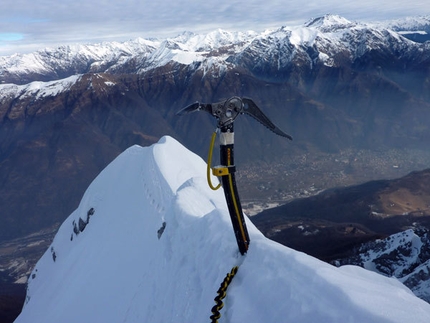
226	112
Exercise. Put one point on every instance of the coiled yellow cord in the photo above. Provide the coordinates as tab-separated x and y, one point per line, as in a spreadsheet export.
222	292
208	169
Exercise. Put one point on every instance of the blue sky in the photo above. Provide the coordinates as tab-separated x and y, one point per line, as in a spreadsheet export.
28	25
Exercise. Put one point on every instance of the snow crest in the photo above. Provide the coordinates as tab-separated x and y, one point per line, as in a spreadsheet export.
37	89
150	242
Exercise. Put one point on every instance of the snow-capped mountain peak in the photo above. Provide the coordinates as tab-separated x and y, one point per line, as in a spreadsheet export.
151	242
420	23
329	22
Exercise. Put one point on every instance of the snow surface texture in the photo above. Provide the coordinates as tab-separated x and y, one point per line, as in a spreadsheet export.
150	242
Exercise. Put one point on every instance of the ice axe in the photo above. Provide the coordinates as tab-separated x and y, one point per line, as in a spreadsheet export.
226	112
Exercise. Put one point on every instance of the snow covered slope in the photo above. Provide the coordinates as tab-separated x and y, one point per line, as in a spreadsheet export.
150	242
404	255
37	89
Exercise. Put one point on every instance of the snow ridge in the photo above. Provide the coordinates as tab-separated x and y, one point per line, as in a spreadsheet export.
151	242
37	89
421	23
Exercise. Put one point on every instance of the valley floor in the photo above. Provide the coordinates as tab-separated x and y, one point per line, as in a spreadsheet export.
264	186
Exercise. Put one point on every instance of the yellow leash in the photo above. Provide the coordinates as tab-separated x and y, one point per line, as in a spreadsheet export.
236	208
208	169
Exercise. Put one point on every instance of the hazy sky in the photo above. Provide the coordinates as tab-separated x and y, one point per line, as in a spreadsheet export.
28	25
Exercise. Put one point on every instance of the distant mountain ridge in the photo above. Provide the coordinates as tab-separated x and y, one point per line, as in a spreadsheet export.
330	39
333	84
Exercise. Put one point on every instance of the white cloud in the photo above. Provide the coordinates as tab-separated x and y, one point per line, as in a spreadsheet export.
51	23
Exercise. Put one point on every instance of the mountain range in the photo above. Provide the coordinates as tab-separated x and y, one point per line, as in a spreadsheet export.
354	96
333	84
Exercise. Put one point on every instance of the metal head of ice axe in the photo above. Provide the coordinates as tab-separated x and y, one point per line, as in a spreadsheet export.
228	110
